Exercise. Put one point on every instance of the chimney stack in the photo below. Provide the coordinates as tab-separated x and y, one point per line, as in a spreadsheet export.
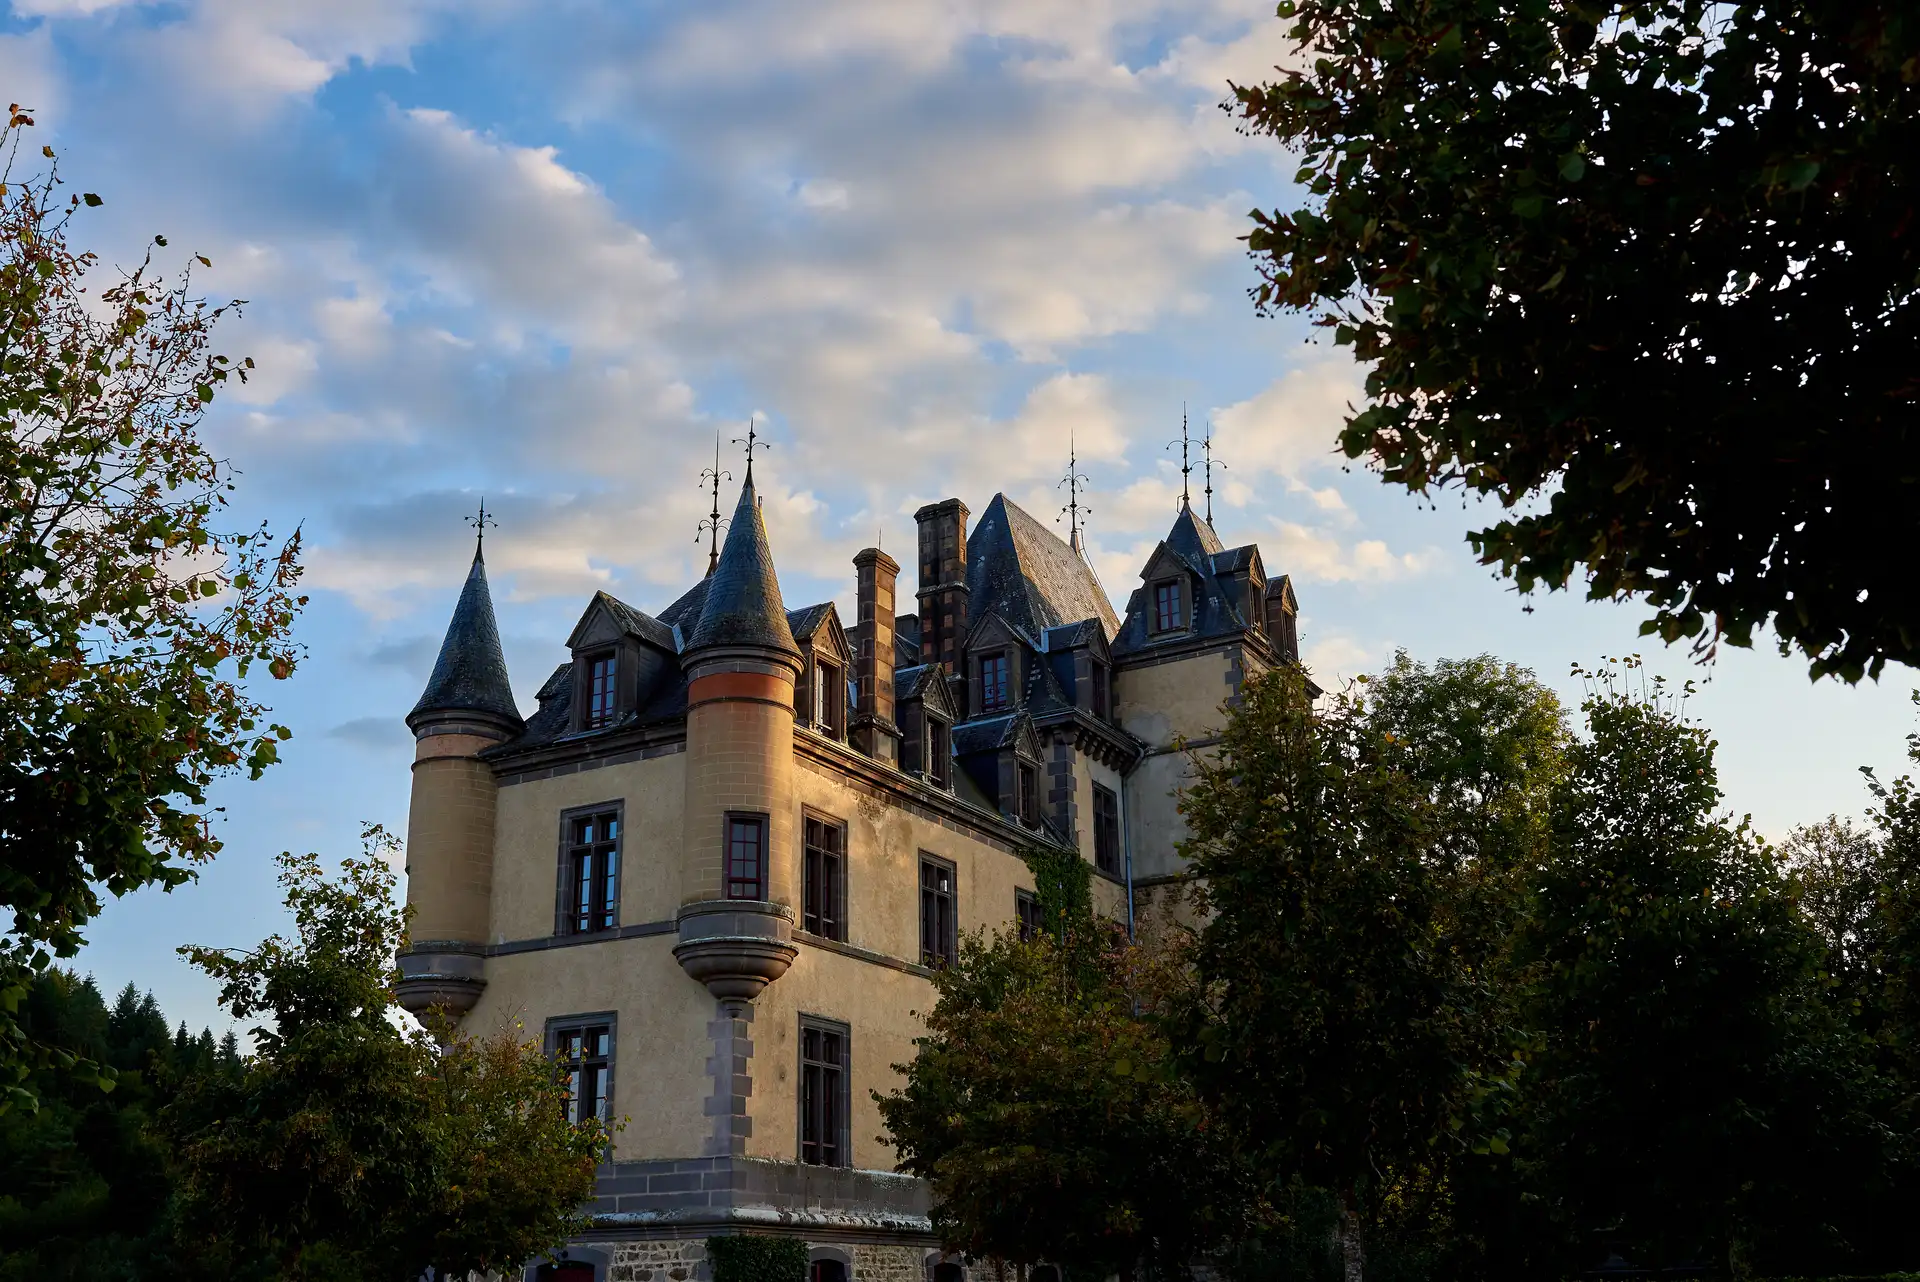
874	731
943	582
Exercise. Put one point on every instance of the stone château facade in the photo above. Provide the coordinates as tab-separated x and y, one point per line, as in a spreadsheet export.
714	868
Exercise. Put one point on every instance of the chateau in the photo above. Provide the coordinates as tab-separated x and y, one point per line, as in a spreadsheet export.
717	865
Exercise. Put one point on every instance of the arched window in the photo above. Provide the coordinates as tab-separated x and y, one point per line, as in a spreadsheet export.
827	1270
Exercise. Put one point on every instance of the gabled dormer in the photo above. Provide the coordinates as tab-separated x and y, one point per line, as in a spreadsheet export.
1173	595
821	695
1242	582
1283	619
1002	756
923	703
998	660
1082	663
621	656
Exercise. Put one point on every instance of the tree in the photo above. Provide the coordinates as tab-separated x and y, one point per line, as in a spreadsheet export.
132	620
1337	1030
1644	271
1691	1095
352	1148
1043	1107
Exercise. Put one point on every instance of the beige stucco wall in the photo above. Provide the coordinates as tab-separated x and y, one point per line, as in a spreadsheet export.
526	866
876	1003
883	876
661	1047
450	837
1166	700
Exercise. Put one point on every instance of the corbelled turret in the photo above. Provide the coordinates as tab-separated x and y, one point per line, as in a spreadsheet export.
467	708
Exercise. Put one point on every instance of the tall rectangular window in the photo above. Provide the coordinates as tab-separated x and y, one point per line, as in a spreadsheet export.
824	909
1168	616
584	1052
829	699
823	1093
1027	795
592	873
939	751
994	694
1099	679
601	688
1026	912
1106	830
746	857
939	930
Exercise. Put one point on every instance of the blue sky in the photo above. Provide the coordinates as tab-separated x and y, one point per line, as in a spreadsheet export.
546	251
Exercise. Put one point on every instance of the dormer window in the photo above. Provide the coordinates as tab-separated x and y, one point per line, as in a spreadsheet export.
1099	680
1169	606
602	670
829	699
1027	794
995	691
939	752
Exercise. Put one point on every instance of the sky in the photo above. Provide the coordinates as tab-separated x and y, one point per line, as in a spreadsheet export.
549	252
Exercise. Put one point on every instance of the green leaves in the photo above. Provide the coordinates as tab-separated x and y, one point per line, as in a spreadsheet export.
1720	201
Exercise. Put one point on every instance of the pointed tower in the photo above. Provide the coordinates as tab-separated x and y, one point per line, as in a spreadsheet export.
741	662
467	707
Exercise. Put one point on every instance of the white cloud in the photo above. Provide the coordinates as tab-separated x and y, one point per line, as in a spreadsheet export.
1313	555
1292	426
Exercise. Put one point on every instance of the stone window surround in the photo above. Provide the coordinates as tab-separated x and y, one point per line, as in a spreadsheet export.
549	1041
563	870
843	1142
1183	601
727	878
949	944
839	908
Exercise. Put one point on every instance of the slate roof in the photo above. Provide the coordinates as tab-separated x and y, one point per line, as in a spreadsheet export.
805	621
471	673
743	604
639	623
1022	571
909	682
686	610
1215	614
986	734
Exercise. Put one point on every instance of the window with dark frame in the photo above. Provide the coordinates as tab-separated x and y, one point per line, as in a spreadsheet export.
823	1093
1027	794
1099	678
593	873
829	699
938	928
601	689
939	750
585	1053
825	898
746	856
1106	829
994	694
1026	912
1168	614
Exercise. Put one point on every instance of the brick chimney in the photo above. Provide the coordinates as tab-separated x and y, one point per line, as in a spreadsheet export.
874	730
943	582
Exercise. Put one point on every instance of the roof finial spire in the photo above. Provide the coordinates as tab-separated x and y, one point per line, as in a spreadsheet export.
1073	480
752	441
1206	445
1186	464
480	524
710	526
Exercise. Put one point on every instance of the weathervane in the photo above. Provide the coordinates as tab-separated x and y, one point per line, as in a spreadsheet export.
711	525
1206	445
480	524
752	442
1186	466
1073	480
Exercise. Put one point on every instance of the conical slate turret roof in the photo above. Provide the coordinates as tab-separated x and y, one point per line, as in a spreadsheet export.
743	605
1193	538
471	673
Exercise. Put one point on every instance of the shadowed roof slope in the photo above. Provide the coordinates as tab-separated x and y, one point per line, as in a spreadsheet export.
1024	572
743	595
471	673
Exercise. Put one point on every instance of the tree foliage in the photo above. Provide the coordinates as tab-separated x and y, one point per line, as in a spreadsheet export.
133	618
1340	1032
1647	273
352	1148
1043	1108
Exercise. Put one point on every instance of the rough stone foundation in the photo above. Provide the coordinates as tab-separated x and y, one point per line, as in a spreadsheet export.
661	1261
